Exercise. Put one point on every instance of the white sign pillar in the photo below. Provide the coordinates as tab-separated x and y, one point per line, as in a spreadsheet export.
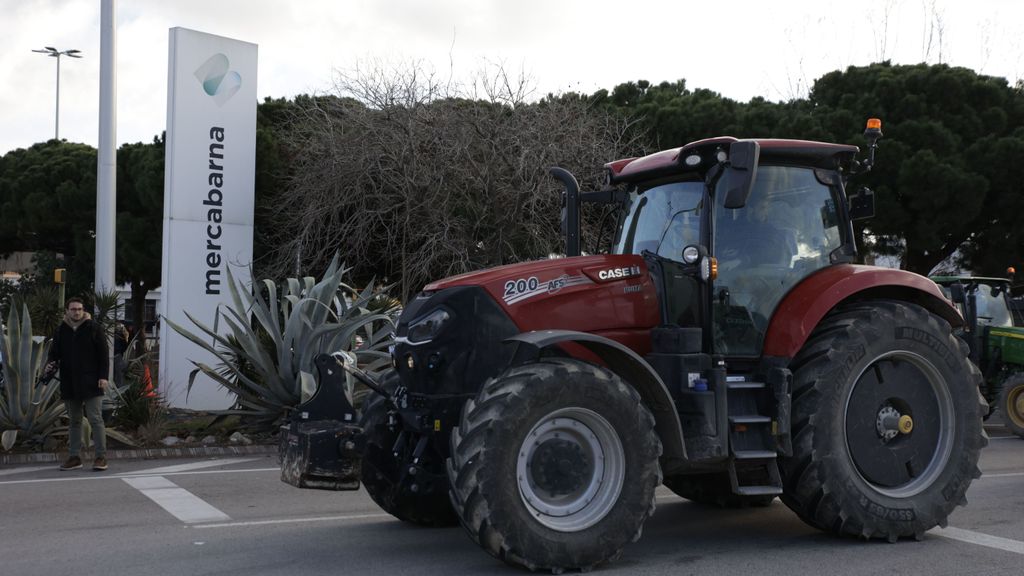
209	181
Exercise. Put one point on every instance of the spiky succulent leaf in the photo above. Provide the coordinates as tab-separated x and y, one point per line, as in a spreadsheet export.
271	334
34	411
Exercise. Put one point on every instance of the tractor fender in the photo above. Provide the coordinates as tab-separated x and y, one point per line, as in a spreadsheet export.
626	364
808	302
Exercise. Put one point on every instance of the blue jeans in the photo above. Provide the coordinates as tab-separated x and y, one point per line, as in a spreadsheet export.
93	411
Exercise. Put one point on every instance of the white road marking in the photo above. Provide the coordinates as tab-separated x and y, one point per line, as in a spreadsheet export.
194	466
980	539
180	503
293	520
94	476
25	469
1002	475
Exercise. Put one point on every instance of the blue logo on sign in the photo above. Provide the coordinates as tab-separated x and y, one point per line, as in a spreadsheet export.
218	81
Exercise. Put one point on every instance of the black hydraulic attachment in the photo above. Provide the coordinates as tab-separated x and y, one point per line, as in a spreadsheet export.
321	443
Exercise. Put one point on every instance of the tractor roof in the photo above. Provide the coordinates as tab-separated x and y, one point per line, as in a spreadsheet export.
773	150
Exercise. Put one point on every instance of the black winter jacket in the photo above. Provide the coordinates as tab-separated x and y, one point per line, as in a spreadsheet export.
82	354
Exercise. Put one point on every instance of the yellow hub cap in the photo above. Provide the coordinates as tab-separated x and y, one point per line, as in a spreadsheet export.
906	424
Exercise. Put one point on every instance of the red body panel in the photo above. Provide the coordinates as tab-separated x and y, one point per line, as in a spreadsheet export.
807	303
611	295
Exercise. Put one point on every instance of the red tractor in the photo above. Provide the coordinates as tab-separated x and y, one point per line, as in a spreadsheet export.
726	346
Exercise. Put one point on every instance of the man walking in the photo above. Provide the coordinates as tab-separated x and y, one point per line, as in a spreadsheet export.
79	350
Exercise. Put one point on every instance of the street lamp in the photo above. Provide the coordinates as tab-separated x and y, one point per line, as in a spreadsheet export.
53	52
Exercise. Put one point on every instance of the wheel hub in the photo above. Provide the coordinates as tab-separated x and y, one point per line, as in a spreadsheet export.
899	424
570	469
890	423
559	467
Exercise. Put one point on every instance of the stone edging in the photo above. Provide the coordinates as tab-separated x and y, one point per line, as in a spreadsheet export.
145	453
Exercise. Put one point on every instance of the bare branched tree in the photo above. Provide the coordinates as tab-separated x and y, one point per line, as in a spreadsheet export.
413	178
934	31
881	22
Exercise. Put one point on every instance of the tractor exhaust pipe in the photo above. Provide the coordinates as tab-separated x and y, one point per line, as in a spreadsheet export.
570	209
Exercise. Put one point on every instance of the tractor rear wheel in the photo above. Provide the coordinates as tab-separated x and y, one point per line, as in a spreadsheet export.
887	423
1011	404
554	465
713	490
383	471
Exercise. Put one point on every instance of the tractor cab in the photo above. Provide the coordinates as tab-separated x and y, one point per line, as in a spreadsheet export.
726	259
996	344
982	301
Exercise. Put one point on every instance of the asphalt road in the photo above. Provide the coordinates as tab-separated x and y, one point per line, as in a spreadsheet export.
233	516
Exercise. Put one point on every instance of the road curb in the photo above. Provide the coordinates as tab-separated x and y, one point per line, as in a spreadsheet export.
145	453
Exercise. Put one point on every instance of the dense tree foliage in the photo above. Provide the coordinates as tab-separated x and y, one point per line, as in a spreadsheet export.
948	187
944	178
412	179
48	204
140	211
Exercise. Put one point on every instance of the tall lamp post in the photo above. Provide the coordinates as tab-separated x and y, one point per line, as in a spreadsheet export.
53	52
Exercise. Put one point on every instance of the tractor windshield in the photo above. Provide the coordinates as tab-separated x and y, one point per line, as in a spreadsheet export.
992	307
663	220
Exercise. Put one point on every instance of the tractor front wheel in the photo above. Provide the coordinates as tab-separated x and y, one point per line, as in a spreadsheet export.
1011	403
554	465
887	423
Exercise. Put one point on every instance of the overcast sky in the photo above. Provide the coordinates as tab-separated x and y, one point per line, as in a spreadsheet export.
739	48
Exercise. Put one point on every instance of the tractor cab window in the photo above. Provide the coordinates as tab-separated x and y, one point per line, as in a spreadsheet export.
787	230
663	220
992	307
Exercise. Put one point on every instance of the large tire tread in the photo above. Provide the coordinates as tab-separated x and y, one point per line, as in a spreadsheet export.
471	467
813	488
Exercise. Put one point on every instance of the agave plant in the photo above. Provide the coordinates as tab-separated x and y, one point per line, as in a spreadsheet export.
28	413
265	357
43	305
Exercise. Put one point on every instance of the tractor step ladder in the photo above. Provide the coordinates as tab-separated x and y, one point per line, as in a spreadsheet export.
753	463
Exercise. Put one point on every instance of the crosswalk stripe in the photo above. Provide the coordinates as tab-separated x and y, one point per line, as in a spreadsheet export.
194	465
987	540
179	502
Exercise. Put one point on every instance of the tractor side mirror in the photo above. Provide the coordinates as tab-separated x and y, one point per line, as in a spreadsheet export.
740	172
862	204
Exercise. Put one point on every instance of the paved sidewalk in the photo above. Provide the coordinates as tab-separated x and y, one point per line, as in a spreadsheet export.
144	453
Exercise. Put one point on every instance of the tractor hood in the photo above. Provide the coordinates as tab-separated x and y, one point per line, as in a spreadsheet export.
586	293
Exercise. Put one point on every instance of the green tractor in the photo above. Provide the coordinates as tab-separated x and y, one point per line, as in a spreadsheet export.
997	346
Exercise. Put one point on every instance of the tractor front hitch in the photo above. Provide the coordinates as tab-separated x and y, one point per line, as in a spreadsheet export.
321	443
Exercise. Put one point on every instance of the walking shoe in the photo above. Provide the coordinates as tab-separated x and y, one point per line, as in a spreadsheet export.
72	463
100	463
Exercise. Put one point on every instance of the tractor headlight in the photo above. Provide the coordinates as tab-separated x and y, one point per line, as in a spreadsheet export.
428	327
691	254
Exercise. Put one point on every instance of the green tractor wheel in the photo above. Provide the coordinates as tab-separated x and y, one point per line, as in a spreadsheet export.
1011	404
